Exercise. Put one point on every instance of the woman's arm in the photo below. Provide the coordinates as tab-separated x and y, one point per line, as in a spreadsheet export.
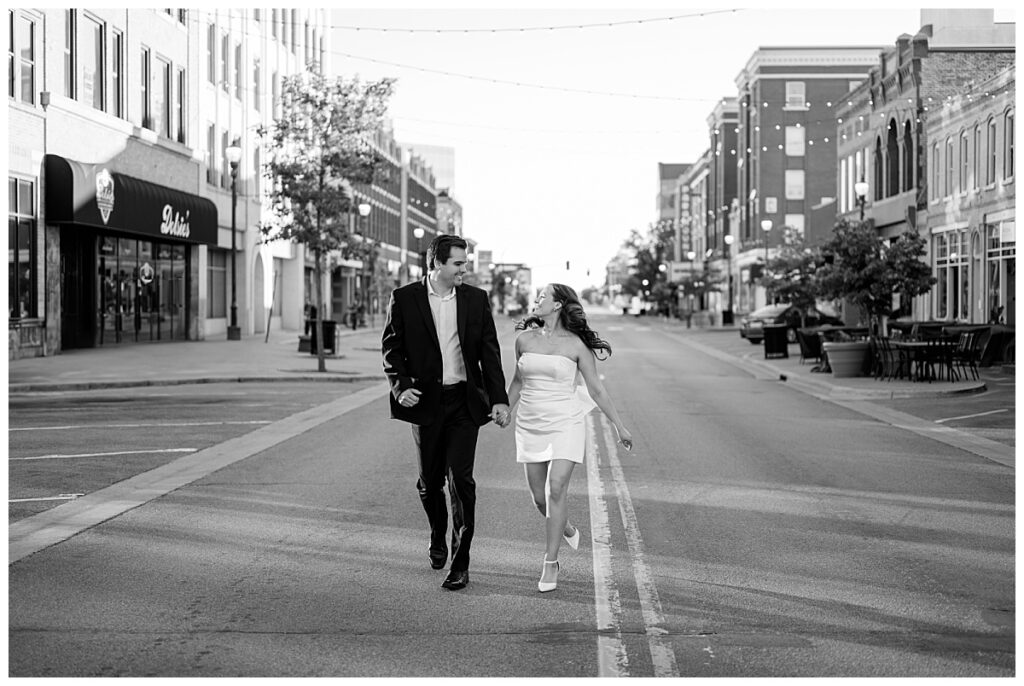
587	364
516	386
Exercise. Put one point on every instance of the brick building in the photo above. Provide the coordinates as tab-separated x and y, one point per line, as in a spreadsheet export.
916	132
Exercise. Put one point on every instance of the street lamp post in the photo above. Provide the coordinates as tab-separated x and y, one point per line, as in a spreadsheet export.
861	189
418	232
234	155
727	315
366	254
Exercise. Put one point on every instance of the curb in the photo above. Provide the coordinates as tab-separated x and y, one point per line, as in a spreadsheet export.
320	377
850	393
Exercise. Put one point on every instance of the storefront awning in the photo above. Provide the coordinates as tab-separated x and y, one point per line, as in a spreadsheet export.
92	195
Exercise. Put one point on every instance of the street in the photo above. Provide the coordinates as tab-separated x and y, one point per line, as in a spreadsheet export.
754	530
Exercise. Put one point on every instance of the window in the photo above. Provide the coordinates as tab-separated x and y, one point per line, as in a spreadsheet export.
273	23
70	24
225	177
162	98
257	172
12	64
21	261
990	167
117	73
275	92
951	290
950	167
211	158
977	157
238	70
216	283
936	191
256	15
225	72
965	162
307	43
1008	144
257	105
211	53
146	111
179	105
183	17
295	32
795	222
796	94
93	72
794	184
22	76
795	141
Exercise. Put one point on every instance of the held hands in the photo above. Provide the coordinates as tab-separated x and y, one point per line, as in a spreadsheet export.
625	438
501	415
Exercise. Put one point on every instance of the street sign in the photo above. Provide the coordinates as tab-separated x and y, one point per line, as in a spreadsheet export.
678	271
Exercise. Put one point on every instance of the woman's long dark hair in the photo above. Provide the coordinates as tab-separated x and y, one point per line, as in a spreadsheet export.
573	319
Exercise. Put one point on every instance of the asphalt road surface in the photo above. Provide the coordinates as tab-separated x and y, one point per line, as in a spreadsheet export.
753	531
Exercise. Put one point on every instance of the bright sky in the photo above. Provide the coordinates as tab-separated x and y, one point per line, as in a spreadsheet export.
549	175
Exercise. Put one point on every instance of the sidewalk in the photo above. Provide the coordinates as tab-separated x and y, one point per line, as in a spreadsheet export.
358	359
800	375
157	364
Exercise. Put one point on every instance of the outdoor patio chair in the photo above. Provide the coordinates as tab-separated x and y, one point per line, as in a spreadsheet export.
966	353
810	346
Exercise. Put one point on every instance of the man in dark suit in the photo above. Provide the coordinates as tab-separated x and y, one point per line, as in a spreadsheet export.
442	359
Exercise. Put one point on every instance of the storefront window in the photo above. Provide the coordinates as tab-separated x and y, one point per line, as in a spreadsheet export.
952	290
21	255
1001	266
141	293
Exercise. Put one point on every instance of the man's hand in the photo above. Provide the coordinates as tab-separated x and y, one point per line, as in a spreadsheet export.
501	415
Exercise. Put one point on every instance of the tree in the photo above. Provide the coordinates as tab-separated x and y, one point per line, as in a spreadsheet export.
867	273
792	274
318	147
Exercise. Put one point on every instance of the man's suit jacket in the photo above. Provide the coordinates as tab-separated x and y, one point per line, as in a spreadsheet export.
412	354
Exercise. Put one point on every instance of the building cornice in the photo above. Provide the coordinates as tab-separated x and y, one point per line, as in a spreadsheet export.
862	57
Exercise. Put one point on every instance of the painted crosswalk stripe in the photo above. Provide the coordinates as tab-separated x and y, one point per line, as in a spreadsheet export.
611	651
62	496
110	454
65	427
970	416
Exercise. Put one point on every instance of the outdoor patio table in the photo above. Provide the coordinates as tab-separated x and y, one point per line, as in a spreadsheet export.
919	364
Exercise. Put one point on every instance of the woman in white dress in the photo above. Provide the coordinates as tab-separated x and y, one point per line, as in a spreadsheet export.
554	351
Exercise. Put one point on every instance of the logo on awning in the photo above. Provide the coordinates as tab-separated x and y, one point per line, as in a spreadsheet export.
104	193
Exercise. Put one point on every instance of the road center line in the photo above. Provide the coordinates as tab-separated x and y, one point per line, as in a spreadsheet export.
970	416
662	655
611	651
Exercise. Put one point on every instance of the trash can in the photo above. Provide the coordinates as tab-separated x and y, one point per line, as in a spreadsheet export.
328	328
776	343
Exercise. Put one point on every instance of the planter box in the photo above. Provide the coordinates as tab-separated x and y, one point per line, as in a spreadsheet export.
846	358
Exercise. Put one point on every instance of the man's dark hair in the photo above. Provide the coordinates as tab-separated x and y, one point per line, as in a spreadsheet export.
441	248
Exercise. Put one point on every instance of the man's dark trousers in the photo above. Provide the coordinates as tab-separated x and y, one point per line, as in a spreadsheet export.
447	448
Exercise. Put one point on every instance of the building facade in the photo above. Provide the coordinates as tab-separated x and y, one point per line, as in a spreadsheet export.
786	156
971	215
923	137
122	208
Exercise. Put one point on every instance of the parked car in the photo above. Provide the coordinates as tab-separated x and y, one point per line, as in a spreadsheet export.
752	325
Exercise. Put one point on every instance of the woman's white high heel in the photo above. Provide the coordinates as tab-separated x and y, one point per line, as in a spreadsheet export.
574	540
545	586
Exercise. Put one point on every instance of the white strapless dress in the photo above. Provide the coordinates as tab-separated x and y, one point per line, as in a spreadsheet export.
553	405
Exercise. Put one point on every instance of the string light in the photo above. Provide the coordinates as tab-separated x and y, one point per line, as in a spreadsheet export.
528	29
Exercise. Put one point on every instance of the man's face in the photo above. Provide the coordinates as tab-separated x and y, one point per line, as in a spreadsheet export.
451	272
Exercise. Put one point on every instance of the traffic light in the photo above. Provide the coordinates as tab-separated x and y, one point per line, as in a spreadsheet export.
567	265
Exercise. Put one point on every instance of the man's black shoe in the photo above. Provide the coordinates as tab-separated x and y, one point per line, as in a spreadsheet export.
456	580
438	559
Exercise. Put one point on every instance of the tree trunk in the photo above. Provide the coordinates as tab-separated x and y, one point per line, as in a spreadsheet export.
318	330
